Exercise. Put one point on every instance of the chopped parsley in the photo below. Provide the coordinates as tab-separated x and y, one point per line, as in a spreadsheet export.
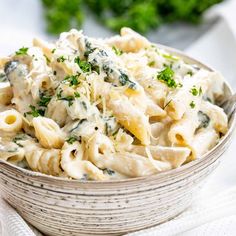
166	76
200	91
59	94
35	112
192	104
44	100
69	99
53	50
71	139
195	92
84	65
22	51
73	80
205	98
117	51
61	59
77	95
190	73
151	63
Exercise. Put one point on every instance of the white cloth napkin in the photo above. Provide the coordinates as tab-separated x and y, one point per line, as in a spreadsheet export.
12	224
214	212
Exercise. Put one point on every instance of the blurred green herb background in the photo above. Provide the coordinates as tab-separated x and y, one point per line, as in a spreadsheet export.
140	15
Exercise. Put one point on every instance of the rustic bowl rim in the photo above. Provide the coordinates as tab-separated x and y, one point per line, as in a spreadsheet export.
180	169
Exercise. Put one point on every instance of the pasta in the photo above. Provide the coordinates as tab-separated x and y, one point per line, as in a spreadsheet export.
74	165
100	109
5	93
10	121
43	160
48	132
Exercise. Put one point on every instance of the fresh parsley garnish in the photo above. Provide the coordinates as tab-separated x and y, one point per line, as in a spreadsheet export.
53	50
59	94
200	91
151	63
195	92
192	104
190	73
77	95
142	16
166	76
73	80
69	99
22	51
84	65
117	51
61	59
35	112
71	139
44	100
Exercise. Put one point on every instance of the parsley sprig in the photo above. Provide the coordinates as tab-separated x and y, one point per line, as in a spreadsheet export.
142	16
84	65
192	104
117	51
69	98
44	100
72	80
22	51
166	76
61	59
34	111
71	139
195	92
77	94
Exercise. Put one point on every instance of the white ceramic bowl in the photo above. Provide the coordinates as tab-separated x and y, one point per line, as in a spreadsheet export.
70	207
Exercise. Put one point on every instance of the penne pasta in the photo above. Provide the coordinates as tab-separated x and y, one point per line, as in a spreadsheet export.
105	109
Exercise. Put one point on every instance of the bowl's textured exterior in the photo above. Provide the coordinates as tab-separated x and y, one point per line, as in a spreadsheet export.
68	207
